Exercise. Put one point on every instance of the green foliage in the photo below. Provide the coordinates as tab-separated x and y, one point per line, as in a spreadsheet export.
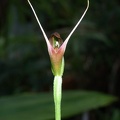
116	114
23	65
41	107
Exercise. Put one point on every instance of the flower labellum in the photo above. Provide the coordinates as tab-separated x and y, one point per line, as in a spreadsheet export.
56	47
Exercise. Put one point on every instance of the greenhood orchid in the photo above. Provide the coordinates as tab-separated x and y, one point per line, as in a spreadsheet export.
56	49
56	53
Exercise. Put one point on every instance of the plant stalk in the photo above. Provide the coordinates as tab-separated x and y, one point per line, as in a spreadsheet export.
57	89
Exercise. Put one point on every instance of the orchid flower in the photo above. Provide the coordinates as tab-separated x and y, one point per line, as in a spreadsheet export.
56	49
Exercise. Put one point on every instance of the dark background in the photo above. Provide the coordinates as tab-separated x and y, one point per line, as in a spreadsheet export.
92	58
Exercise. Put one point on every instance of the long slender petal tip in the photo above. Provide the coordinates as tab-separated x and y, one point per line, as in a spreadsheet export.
44	34
67	39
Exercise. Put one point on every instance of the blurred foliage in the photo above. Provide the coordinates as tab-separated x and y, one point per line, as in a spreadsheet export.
92	56
41	107
94	47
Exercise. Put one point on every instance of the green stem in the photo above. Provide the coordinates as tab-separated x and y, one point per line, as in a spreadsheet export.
57	96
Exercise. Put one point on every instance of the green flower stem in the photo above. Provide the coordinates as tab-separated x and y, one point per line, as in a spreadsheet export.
57	89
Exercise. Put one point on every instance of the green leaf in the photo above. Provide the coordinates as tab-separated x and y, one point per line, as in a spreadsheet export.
41	106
